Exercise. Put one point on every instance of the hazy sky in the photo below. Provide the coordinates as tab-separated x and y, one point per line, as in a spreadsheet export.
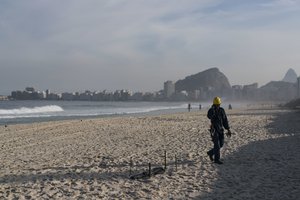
73	45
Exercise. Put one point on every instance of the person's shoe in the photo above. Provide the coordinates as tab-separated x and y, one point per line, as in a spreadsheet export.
218	162
210	156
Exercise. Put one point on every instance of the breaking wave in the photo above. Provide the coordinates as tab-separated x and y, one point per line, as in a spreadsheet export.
34	110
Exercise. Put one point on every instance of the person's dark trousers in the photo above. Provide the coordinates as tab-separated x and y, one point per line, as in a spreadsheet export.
218	140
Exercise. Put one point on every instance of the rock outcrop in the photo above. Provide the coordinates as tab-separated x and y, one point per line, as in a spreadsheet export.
290	76
211	80
278	91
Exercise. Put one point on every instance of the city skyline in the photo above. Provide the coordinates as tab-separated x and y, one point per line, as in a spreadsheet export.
164	85
137	45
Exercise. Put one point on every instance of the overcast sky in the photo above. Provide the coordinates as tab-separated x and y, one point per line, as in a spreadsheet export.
73	45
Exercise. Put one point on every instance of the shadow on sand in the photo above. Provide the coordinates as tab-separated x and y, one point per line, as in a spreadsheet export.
267	169
87	173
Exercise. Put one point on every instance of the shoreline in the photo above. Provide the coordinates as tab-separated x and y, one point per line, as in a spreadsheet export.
40	119
31	120
91	158
36	111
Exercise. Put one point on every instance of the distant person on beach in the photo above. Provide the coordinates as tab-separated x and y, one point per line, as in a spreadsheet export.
218	120
189	107
200	107
230	107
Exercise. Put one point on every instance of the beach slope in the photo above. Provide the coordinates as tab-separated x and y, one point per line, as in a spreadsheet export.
94	158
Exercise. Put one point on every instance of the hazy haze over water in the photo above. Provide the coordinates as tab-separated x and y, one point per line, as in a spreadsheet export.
75	45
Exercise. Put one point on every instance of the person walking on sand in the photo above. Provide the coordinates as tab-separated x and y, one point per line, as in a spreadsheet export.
218	120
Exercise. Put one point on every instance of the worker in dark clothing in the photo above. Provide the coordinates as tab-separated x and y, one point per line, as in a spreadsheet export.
218	120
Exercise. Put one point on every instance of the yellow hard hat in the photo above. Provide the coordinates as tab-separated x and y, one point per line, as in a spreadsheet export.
217	101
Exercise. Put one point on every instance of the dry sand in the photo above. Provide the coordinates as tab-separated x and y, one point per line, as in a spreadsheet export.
90	159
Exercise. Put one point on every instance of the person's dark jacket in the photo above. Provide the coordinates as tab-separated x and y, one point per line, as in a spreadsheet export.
218	118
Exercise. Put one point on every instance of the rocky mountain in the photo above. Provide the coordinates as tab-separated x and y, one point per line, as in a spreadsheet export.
278	90
210	80
290	76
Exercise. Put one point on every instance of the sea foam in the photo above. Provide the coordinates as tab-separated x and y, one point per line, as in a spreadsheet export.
34	110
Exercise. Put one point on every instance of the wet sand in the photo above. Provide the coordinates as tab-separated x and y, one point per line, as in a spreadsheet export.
90	159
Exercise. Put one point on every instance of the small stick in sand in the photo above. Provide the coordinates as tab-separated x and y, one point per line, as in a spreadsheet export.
149	173
165	159
130	166
176	162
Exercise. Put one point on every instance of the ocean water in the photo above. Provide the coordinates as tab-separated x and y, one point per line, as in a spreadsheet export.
12	112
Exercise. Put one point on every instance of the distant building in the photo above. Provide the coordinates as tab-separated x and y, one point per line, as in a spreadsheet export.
53	96
148	96
169	89
203	93
181	96
107	96
137	96
67	96
86	96
29	89
160	96
2	98
28	94
251	86
47	93
194	95
122	95
125	95
41	95
237	92
15	94
117	95
97	96
298	87
250	91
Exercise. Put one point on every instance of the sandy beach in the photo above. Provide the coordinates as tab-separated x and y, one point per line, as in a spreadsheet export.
91	158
